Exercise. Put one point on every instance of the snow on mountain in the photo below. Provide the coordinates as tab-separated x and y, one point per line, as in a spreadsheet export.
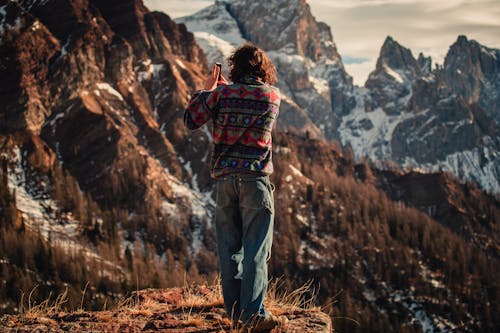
215	31
369	133
42	214
37	208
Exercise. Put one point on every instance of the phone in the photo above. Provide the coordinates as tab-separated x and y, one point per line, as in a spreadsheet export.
218	64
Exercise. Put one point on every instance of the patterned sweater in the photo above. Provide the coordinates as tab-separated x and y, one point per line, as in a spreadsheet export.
243	116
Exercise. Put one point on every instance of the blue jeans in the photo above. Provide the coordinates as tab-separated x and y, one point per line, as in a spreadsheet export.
244	221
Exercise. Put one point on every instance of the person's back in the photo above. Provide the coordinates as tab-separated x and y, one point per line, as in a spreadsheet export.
243	115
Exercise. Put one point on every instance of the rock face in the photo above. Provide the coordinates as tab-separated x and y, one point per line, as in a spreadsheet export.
472	72
89	90
287	25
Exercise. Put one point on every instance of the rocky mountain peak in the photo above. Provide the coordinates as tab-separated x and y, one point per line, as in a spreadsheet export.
463	41
472	71
469	55
395	56
390	82
424	63
289	25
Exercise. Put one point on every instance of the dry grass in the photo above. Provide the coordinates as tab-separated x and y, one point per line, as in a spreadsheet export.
143	308
80	309
196	306
193	303
280	299
194	319
193	299
44	308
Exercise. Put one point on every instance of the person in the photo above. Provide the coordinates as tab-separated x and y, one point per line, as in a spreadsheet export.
243	115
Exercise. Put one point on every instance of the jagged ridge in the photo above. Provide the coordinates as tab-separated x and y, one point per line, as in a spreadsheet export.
406	112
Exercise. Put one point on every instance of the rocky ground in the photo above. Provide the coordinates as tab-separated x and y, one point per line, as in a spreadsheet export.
190	309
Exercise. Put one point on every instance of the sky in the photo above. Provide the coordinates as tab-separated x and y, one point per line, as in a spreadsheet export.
359	27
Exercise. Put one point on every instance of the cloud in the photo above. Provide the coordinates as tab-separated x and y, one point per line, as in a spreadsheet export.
360	71
353	60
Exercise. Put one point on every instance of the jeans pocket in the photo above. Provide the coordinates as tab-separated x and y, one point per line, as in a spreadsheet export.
257	194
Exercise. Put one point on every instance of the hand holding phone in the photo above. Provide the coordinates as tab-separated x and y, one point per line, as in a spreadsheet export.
216	78
220	79
218	64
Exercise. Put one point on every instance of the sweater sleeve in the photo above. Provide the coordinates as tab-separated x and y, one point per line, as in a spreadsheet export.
201	108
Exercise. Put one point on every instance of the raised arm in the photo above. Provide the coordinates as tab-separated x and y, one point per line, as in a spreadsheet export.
203	104
200	109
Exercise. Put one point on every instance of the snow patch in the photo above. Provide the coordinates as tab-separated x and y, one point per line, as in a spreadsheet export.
321	85
170	209
214	45
492	53
64	48
38	212
369	295
28	5
108	88
216	31
152	71
370	133
393	73
429	323
35	26
201	206
200	202
214	20
478	164
430	276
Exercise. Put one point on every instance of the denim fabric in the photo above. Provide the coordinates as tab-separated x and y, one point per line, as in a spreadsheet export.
244	221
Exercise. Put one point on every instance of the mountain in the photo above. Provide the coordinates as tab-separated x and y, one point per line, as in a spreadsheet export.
431	119
89	89
421	118
103	191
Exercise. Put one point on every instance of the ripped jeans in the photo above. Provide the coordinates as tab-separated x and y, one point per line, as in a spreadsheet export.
244	220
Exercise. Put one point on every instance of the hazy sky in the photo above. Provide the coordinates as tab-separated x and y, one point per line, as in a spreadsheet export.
359	27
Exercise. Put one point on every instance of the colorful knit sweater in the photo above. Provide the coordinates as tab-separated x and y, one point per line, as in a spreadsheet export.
243	116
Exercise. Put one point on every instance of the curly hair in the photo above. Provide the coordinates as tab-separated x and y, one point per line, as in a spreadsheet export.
251	60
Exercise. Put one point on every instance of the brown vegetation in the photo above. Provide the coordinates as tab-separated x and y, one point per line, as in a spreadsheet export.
189	309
